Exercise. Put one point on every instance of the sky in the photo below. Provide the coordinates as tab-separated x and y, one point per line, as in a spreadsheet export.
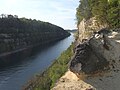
58	12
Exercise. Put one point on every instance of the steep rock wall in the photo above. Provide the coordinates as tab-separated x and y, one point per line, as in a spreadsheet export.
87	27
97	47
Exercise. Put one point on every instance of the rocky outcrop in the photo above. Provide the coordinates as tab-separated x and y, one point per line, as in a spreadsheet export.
96	53
97	49
87	27
71	82
88	55
87	58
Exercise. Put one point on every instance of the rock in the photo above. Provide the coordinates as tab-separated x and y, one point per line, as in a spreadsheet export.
71	82
104	31
87	27
87	58
96	53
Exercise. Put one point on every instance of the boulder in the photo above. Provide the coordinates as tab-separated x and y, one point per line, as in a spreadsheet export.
88	58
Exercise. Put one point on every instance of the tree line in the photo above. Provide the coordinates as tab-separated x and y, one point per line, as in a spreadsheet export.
105	11
17	33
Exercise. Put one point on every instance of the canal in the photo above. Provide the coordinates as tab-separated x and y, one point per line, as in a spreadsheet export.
15	76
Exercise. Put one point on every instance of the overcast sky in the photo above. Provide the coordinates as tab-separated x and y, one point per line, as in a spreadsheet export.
59	12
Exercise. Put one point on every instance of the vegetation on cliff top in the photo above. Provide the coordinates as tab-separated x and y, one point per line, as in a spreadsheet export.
17	33
105	11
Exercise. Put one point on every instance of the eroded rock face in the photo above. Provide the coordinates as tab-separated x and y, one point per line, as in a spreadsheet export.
97	52
87	27
88	58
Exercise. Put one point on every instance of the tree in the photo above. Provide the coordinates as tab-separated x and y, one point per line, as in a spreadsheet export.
18	33
105	11
114	14
83	10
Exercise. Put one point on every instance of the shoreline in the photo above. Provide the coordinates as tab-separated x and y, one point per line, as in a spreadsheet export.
47	79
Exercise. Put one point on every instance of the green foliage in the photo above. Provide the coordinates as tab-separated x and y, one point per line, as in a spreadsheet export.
55	71
114	14
106	11
83	10
99	8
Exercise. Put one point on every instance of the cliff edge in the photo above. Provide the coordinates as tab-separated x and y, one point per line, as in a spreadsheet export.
96	58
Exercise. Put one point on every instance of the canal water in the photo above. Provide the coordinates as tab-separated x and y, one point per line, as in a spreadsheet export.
15	76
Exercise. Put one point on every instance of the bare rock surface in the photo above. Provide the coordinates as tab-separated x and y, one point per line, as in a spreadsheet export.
87	58
110	80
87	27
71	82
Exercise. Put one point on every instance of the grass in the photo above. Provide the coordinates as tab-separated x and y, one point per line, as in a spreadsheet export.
48	78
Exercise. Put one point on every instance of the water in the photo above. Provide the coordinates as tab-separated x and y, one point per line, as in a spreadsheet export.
15	76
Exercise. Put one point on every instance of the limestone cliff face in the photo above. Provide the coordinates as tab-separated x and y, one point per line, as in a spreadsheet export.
86	28
89	56
97	47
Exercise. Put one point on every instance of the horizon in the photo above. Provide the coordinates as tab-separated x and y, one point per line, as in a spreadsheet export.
60	13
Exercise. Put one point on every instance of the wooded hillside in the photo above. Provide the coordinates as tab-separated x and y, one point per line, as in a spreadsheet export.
17	33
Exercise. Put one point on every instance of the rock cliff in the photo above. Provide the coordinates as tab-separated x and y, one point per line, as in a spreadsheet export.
97	46
87	27
97	55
